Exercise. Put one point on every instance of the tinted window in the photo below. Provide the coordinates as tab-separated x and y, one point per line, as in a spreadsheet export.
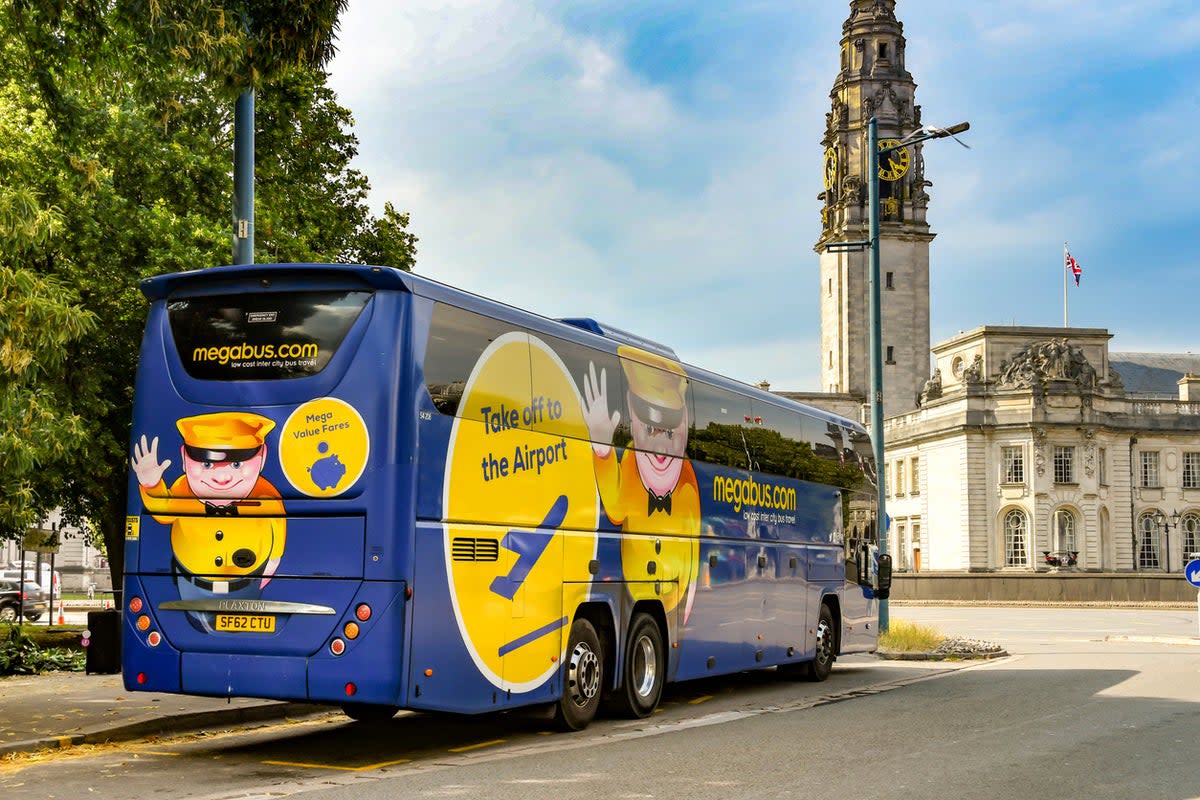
580	361
262	336
457	339
721	417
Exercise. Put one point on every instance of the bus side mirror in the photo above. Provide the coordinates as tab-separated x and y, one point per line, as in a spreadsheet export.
883	578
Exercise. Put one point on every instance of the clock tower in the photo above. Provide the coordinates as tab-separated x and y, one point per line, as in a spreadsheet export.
873	82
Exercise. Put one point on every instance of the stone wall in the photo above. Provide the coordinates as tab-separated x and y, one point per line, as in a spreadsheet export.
1054	587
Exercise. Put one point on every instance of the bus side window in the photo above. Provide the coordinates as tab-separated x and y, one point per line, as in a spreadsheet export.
457	339
580	361
718	428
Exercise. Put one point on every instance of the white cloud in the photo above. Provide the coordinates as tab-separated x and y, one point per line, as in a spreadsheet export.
543	166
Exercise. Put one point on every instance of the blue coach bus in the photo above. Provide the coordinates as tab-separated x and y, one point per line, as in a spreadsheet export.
353	485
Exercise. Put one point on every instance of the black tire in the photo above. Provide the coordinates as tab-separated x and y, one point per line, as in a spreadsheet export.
643	673
8	614
33	617
368	712
583	678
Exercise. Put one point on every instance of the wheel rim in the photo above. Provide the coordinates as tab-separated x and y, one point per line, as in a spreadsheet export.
583	675
7	614
644	667
824	643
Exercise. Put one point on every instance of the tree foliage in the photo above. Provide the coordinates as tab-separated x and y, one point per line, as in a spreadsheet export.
116	147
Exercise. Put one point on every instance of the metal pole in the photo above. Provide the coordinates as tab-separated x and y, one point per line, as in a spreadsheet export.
243	179
881	525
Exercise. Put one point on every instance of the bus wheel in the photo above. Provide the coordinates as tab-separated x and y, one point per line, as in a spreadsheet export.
368	712
583	678
822	664
643	672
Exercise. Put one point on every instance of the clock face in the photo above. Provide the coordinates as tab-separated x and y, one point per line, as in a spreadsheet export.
830	167
894	165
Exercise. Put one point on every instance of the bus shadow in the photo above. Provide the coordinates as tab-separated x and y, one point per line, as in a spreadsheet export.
341	743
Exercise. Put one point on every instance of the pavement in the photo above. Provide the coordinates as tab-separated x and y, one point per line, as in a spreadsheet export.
62	709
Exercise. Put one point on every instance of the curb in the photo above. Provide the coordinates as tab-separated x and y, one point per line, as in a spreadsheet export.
896	656
175	723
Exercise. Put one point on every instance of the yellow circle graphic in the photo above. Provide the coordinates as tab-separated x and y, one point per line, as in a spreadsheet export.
520	500
323	447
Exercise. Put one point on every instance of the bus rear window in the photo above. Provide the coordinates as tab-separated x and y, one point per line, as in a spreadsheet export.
265	336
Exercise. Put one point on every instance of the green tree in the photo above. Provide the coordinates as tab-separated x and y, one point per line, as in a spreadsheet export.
132	163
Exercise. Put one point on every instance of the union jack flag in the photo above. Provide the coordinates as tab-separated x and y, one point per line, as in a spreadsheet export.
1073	266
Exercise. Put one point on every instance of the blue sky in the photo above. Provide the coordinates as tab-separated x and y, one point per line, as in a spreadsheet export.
656	164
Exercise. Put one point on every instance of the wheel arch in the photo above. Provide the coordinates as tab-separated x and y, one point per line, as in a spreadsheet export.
835	608
600	614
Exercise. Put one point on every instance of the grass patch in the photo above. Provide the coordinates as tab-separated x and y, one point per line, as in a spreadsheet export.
21	654
908	637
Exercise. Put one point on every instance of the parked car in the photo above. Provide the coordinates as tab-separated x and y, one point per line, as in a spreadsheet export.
12	595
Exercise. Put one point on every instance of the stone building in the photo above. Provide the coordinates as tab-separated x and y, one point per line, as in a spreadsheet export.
1025	451
1032	451
873	82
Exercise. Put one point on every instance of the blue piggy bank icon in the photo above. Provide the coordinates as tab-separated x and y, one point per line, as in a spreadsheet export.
327	472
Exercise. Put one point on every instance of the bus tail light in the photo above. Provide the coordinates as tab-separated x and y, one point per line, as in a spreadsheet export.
363	612
135	605
154	638
337	647
351	690
141	677
350	629
143	623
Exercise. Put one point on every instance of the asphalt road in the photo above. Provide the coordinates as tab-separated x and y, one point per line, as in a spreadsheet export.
1092	703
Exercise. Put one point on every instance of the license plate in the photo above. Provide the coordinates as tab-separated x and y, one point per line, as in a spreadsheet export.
241	623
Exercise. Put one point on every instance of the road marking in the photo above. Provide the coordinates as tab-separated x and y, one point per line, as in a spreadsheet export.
468	747
704	698
364	768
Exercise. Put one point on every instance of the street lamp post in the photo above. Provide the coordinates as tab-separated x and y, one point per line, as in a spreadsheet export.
876	326
1164	524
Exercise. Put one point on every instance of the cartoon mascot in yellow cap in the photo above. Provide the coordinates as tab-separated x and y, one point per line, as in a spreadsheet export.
652	487
227	521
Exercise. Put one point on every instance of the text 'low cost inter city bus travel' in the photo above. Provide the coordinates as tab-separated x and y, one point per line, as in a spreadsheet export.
353	485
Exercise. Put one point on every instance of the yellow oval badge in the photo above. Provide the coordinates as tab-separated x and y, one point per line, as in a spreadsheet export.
323	447
522	510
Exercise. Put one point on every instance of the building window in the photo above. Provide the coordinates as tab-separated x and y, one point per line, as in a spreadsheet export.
830	358
829	291
889	282
891	355
1189	530
883	50
1191	470
1147	548
1064	531
1015	552
1064	464
1014	464
899	477
901	546
1103	467
1150	478
914	475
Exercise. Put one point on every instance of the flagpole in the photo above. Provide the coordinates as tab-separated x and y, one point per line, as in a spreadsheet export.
1064	272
